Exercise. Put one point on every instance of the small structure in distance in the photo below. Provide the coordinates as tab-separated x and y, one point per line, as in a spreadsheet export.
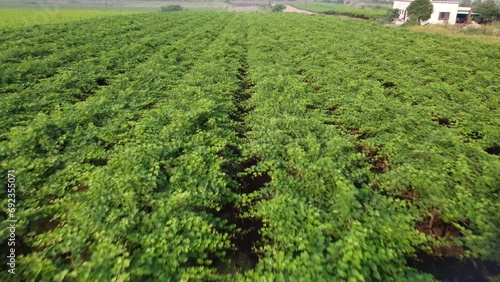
444	12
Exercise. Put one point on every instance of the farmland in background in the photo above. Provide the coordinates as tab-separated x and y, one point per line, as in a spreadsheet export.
10	18
244	7
213	146
27	13
110	6
360	10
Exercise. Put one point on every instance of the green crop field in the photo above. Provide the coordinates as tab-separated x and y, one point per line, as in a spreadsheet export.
11	18
99	6
215	146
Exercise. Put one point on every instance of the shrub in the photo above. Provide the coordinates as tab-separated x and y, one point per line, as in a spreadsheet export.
489	10
172	8
278	8
420	10
411	22
392	15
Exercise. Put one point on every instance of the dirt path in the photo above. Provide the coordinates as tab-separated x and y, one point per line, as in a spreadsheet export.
290	9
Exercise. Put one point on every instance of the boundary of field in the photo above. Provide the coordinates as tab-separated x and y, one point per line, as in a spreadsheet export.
331	14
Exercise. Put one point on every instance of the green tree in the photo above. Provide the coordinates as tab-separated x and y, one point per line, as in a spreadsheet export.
172	8
278	8
420	10
489	10
465	3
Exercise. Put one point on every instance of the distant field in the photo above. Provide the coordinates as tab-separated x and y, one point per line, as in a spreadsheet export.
22	14
359	11
12	18
76	7
141	7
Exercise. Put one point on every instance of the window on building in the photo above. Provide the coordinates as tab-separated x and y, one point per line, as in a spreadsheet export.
444	16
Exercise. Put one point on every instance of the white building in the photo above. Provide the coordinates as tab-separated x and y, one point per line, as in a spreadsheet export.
444	11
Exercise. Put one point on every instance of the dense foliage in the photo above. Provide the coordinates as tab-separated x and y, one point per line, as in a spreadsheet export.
392	15
222	146
489	11
420	10
278	8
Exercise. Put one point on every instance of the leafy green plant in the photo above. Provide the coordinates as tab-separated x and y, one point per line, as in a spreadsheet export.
392	15
278	8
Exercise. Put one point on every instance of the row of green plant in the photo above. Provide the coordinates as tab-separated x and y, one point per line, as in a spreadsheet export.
73	67
318	225
361	133
122	185
488	10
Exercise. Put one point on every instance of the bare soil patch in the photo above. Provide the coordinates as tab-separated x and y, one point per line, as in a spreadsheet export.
290	9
